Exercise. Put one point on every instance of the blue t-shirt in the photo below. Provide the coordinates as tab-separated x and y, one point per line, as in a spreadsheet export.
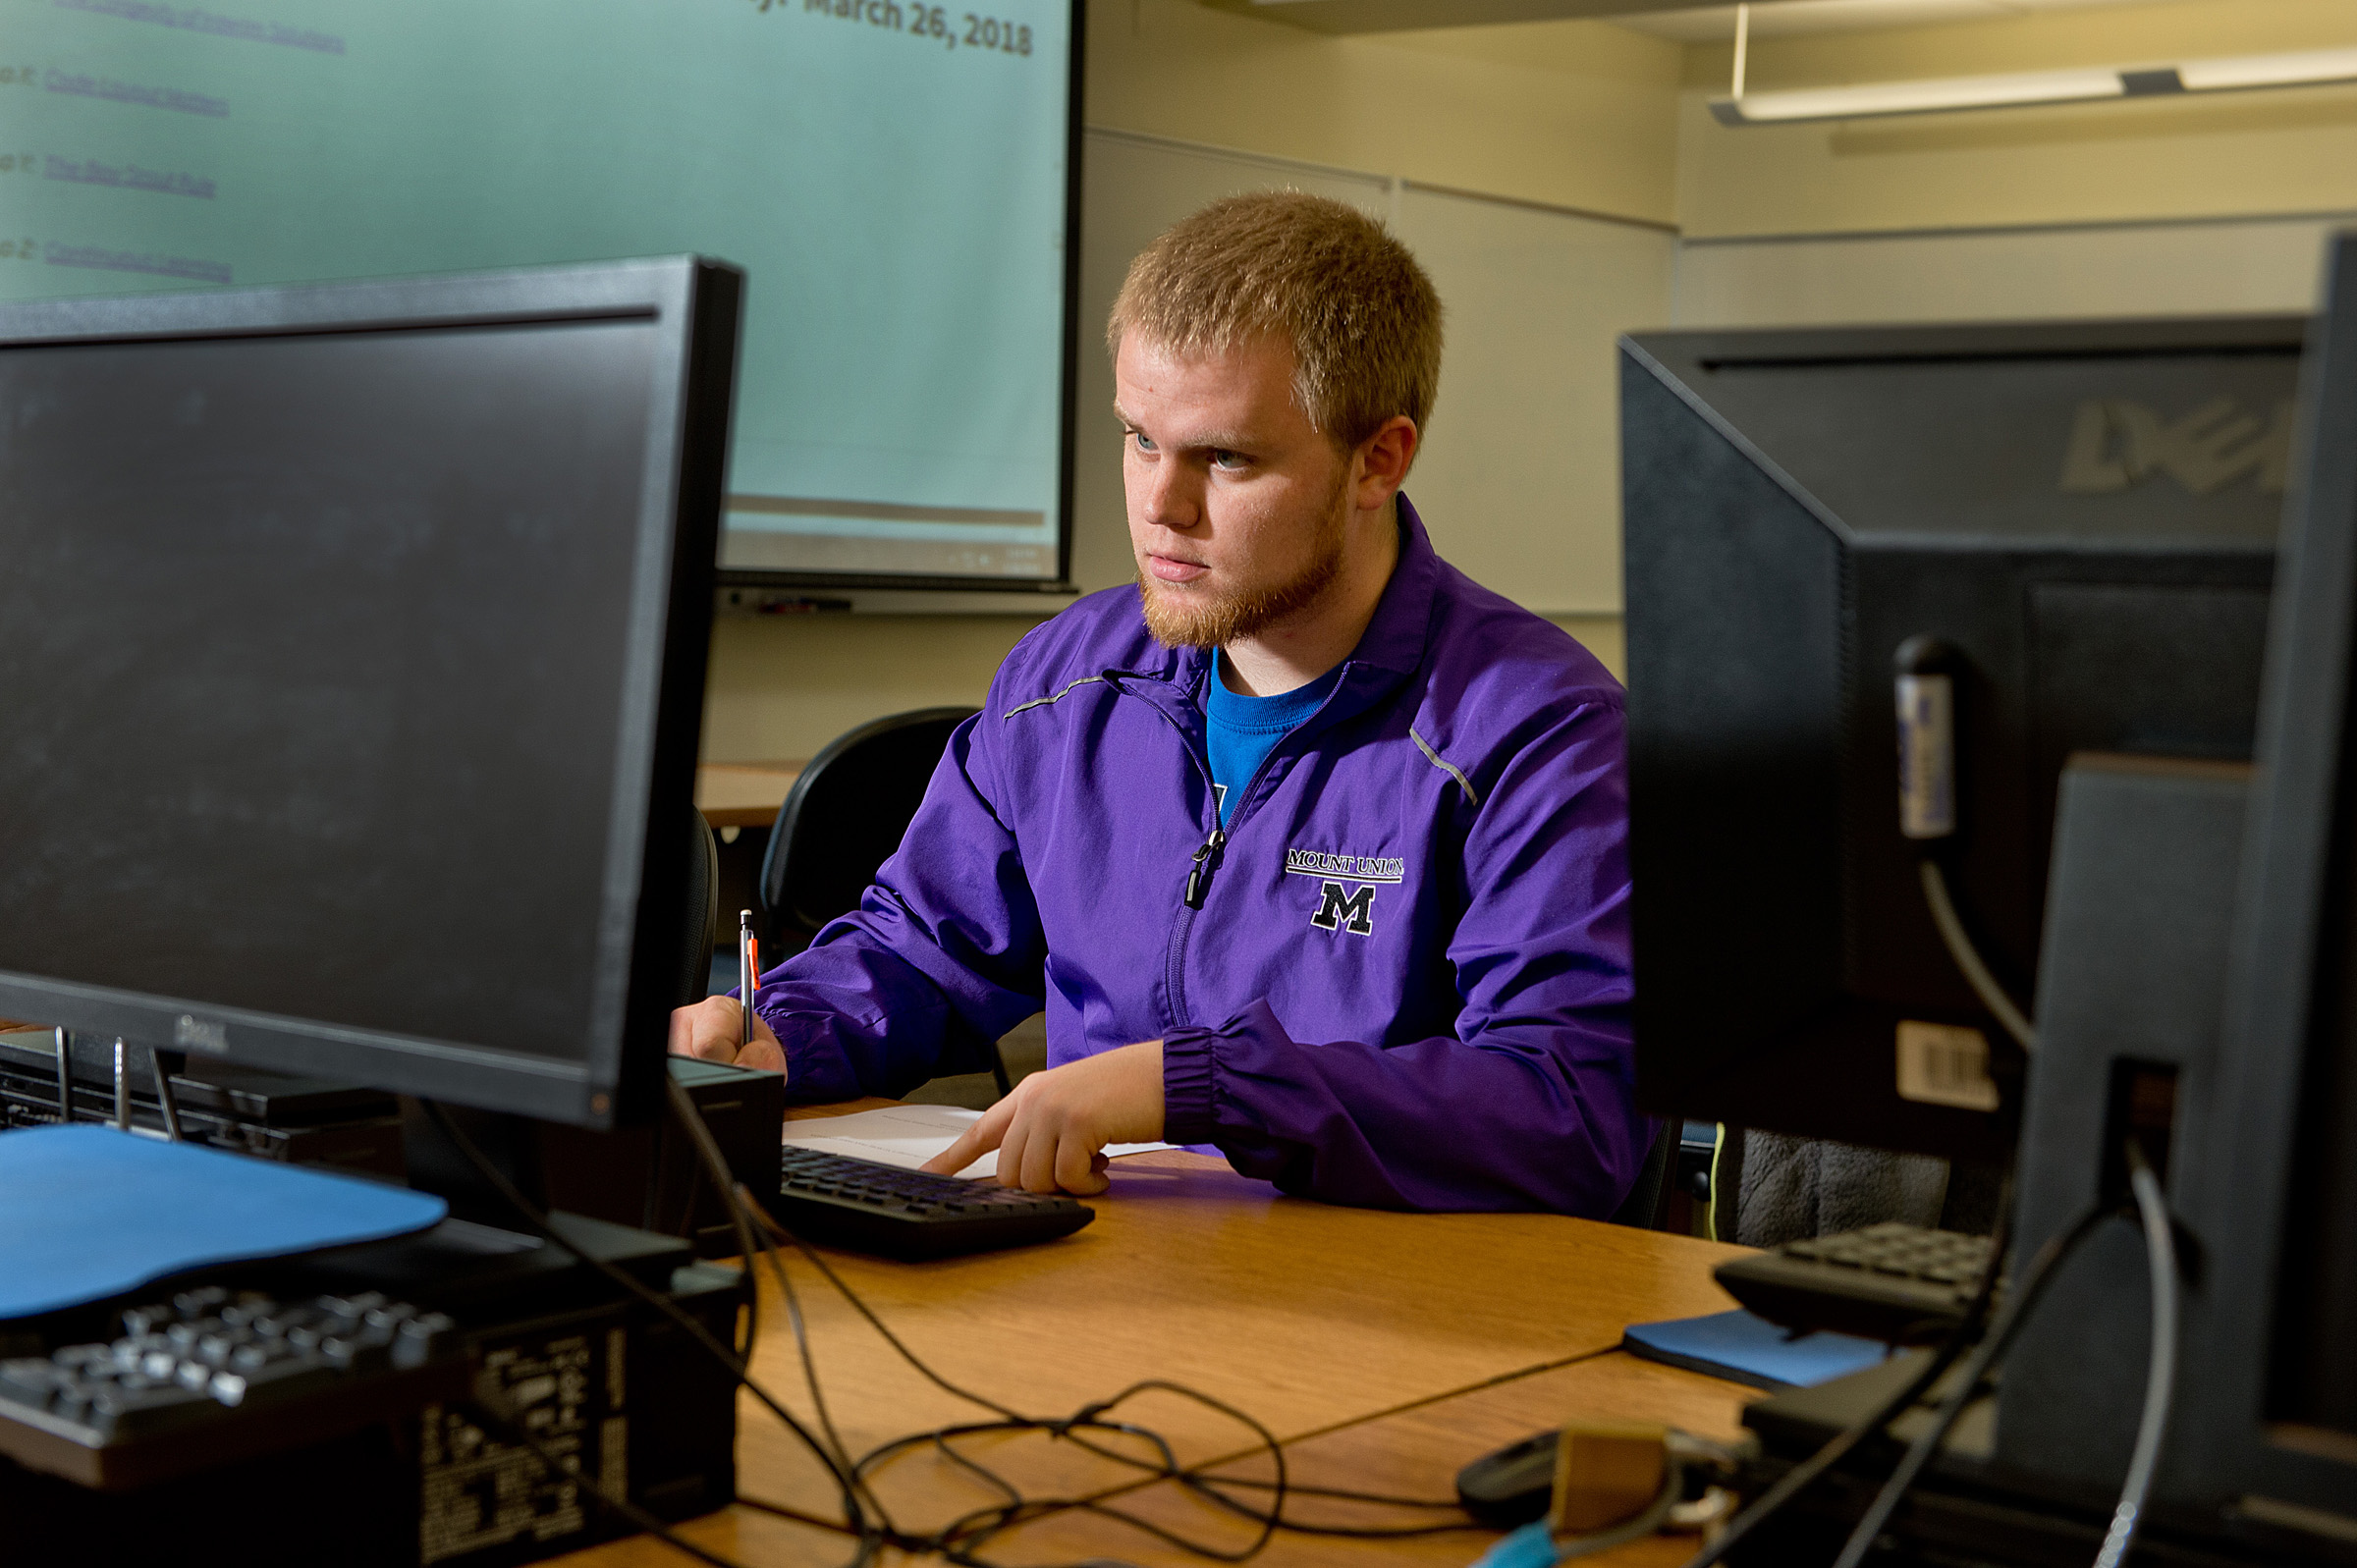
1240	731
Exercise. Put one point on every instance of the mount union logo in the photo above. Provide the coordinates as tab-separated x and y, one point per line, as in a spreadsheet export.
1340	909
1349	868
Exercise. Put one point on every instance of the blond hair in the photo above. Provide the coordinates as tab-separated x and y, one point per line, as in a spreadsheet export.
1362	319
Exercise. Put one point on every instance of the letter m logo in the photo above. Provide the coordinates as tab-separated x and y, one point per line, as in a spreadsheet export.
1355	913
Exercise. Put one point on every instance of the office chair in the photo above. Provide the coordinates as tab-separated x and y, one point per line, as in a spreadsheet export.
1643	1207
844	818
702	930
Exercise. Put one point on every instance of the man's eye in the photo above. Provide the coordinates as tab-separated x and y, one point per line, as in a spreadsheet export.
1223	458
1144	442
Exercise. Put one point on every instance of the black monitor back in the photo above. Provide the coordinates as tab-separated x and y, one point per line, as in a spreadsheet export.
2267	1422
2087	511
351	640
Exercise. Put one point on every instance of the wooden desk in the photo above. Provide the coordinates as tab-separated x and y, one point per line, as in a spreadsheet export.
1385	1350
743	794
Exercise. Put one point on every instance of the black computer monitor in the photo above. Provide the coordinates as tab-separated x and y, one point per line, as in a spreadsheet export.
352	661
2268	1428
2082	517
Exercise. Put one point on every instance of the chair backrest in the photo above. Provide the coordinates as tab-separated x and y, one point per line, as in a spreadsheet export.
702	930
847	814
1646	1201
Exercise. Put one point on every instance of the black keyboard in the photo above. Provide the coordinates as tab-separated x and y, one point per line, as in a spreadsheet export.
211	1366
1897	1283
913	1214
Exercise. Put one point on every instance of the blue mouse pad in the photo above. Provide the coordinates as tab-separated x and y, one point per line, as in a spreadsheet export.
1746	1349
87	1213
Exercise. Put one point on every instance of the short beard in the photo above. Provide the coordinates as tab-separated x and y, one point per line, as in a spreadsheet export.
1177	621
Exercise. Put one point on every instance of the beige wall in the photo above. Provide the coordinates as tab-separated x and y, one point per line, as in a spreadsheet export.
1594	117
784	686
2229	154
1576	114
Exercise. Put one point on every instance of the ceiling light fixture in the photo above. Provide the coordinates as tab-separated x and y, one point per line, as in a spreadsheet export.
2095	85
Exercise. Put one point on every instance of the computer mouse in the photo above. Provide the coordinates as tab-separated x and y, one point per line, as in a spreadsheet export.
1512	1486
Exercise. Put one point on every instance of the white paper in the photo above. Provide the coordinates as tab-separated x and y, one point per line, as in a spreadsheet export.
907	1136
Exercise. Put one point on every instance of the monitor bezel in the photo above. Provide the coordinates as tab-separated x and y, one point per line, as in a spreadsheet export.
693	305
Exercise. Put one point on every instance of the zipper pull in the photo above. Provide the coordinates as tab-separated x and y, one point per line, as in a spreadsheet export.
1207	859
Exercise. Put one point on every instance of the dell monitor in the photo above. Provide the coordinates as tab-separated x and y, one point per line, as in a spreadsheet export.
2071	527
2269	1424
352	661
2195	1002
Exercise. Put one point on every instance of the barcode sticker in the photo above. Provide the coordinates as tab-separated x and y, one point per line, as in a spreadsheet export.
1944	1064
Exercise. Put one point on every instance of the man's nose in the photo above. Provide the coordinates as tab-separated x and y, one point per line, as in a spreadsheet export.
1169	496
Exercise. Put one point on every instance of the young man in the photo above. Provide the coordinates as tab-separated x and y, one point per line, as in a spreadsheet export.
1313	850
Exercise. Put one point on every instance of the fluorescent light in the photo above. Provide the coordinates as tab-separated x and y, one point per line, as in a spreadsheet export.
2307	68
1917	98
1867	101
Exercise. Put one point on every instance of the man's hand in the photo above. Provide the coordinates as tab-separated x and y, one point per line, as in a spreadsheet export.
711	1028
1048	1132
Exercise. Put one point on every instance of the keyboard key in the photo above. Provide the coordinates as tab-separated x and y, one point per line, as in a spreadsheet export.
31	1380
134	1405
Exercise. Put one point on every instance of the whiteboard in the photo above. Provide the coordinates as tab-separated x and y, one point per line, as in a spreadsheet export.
1519	479
2203	268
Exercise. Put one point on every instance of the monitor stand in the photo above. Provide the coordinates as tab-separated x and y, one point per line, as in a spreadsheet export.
2132	991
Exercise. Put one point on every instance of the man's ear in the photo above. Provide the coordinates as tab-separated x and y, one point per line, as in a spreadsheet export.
1383	458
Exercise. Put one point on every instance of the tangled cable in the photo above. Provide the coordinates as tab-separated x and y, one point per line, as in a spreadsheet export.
865	1518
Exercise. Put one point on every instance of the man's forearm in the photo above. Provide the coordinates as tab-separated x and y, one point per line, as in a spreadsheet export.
1530	1119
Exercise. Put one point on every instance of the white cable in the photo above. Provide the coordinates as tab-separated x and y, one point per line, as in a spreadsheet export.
1742	47
1710	1208
1976	973
2161	1253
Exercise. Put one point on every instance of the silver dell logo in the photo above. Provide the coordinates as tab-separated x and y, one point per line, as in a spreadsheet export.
2115	445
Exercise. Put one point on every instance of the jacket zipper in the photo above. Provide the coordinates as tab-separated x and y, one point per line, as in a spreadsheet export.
1207	861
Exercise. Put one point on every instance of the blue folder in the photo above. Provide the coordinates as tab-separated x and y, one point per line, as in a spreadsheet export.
1738	1347
87	1213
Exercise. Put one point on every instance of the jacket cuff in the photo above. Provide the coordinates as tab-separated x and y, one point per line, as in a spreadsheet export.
1191	1058
1188	1065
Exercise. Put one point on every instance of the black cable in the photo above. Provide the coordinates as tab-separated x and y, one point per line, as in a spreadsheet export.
818	1262
961	1539
739	1204
738	1369
751	1243
1343	1495
1968	1385
1796	1480
964	1537
2159	1382
1967	957
708	1152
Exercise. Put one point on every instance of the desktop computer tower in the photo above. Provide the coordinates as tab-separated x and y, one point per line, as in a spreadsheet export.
417	1474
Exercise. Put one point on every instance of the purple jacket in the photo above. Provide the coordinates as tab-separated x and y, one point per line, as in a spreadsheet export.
1407	982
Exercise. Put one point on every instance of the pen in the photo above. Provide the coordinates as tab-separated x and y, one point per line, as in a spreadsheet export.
749	969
